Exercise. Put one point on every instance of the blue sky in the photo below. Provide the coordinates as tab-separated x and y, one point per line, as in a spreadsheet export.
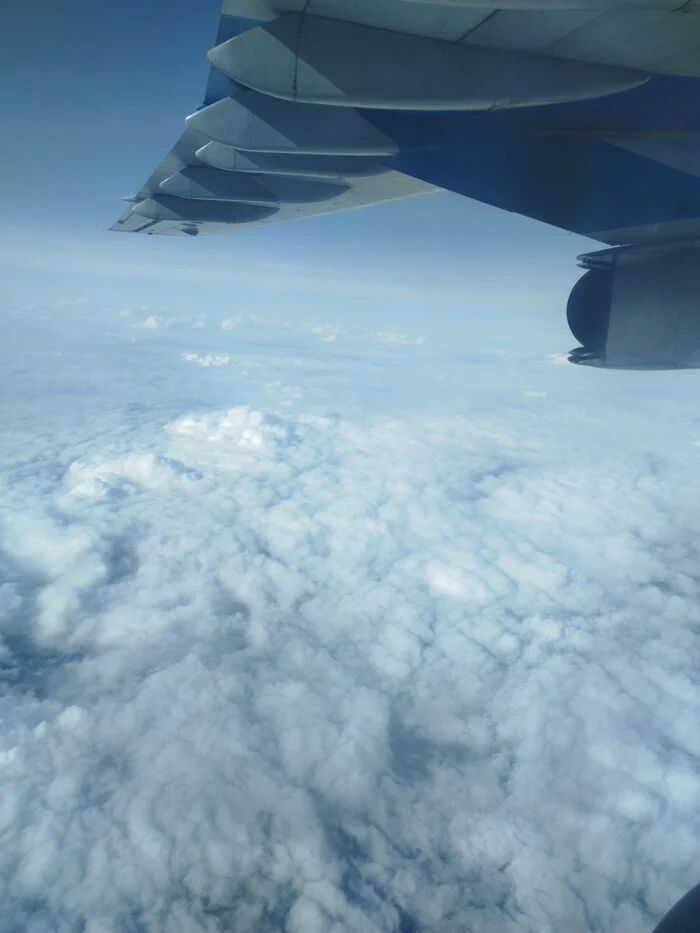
332	599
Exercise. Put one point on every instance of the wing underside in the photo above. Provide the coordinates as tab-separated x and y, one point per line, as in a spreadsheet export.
580	114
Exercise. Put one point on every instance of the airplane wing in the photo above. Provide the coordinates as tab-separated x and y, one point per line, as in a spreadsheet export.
579	113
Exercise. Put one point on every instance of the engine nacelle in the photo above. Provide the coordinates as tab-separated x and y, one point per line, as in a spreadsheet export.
638	307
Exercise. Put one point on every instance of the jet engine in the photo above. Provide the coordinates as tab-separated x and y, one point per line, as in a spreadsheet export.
638	307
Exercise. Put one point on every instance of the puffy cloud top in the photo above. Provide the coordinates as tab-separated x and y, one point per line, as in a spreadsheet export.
330	672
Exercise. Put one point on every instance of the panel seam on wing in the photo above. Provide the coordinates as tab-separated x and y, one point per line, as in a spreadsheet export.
489	16
297	46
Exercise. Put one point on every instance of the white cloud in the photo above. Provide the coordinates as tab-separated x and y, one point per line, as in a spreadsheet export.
129	311
70	302
396	337
356	668
559	359
231	323
152	322
329	333
208	359
135	470
285	395
161	322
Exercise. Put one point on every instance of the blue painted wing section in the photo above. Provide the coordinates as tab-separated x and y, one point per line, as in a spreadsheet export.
554	171
665	103
554	163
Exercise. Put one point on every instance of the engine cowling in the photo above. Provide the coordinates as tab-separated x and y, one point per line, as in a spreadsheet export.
638	307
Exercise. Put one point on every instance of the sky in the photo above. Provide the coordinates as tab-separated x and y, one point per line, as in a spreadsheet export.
331	597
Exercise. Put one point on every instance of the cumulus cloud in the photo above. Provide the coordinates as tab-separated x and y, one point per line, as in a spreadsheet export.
348	670
208	359
327	332
396	337
286	395
330	333
129	311
231	323
161	322
152	322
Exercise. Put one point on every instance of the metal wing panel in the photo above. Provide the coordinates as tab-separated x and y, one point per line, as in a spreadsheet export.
657	42
656	35
529	30
546	164
662	41
435	20
389	186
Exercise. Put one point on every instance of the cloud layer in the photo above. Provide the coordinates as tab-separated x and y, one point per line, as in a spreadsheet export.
353	670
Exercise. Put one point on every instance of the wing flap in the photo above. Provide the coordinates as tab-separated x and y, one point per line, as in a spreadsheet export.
348	193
